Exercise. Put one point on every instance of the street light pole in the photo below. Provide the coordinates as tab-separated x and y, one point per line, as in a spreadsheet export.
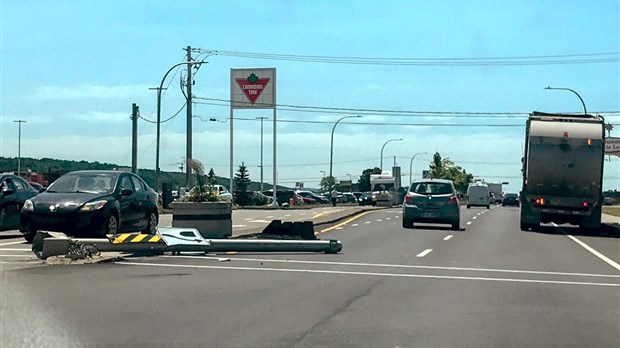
19	146
331	151
383	147
585	112
261	151
411	165
161	86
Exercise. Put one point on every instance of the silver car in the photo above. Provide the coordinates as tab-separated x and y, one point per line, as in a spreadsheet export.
431	200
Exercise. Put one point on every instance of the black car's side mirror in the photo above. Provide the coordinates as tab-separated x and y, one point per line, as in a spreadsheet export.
42	189
126	192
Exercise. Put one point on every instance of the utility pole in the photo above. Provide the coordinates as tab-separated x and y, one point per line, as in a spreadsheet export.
188	152
19	146
135	109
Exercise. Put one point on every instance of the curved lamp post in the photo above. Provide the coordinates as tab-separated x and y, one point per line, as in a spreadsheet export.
383	147
331	151
161	86
577	94
411	165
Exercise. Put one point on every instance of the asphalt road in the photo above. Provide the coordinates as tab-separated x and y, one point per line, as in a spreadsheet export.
489	285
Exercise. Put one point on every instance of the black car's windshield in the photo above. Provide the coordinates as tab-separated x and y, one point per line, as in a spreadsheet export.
435	188
84	183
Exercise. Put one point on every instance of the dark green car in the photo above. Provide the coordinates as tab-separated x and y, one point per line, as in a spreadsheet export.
14	191
432	201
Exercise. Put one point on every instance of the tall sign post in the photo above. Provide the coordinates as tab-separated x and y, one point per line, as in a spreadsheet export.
253	88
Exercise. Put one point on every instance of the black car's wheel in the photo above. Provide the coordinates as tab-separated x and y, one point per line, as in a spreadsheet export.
456	225
151	223
407	223
110	227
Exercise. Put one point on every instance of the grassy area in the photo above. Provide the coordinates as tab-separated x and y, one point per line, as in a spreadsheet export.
615	210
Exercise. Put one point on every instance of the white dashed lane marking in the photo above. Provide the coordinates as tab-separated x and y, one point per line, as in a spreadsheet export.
448	237
424	253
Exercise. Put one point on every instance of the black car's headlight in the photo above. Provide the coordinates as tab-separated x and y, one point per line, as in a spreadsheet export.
92	206
28	205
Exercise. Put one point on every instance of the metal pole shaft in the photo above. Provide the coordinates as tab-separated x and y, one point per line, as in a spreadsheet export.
19	149
261	154
188	151
134	138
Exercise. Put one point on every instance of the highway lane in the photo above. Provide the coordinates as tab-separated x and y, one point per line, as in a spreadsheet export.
489	285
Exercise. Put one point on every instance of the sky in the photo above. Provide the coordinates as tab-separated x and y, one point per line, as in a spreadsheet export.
72	69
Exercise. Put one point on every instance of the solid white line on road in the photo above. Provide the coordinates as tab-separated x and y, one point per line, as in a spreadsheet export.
385	265
396	275
596	253
448	237
469	222
13	243
248	219
424	253
14	249
239	225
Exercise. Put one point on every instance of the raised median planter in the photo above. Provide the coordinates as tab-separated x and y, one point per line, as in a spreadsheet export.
212	219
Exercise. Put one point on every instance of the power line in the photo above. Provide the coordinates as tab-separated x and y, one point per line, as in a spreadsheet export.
385	112
587	58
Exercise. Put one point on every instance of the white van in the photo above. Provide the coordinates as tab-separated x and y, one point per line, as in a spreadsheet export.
478	195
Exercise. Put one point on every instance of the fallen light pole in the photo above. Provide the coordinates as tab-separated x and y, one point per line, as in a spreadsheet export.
169	239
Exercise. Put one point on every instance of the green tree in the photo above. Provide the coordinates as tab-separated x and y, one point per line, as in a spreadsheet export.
204	191
242	181
443	168
363	184
328	183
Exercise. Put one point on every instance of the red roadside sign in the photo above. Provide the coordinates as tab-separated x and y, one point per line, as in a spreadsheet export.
252	86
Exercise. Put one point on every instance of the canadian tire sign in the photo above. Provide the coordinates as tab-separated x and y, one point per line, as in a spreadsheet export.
252	88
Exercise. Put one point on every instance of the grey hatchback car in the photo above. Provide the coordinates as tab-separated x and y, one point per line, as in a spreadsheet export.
431	200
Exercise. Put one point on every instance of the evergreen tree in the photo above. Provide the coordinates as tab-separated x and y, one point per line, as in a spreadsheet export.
242	181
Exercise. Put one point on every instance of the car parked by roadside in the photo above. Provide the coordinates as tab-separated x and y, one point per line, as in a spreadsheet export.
36	186
317	198
221	190
14	191
431	201
92	203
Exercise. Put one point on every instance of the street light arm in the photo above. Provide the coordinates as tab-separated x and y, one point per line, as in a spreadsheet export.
383	147
331	151
161	86
577	94
411	165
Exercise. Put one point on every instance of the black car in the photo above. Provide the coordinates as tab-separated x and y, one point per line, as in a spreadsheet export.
510	199
363	198
92	203
14	191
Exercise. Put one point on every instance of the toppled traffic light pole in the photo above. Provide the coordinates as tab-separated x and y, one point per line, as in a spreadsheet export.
176	240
